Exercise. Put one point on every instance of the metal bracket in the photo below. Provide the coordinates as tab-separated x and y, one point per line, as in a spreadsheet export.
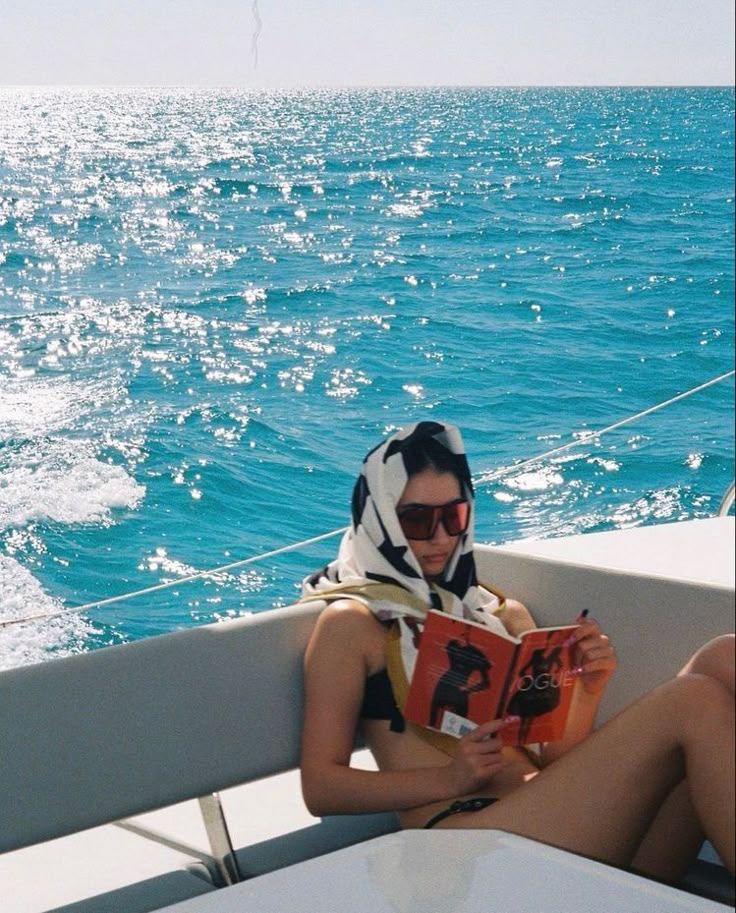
218	836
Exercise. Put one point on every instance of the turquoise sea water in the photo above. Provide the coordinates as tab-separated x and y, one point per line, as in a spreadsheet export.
212	303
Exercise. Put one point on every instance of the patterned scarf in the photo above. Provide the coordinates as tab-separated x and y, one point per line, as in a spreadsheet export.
375	564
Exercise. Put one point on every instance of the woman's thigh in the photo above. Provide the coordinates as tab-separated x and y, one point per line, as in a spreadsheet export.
601	798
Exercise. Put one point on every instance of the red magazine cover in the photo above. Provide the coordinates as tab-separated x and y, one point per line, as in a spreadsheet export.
466	674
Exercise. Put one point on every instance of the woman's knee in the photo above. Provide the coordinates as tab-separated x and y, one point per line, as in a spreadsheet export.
697	697
716	659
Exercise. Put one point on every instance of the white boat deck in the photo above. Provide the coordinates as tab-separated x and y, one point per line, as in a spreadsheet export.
107	858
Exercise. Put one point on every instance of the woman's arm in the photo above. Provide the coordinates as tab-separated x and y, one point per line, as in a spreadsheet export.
346	646
346	643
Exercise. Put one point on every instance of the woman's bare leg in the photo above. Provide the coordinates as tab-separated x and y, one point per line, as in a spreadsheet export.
673	840
675	836
716	659
602	797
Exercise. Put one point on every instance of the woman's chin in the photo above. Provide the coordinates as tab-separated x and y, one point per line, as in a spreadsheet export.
433	568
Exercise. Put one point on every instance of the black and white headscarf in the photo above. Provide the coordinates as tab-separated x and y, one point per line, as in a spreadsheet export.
375	563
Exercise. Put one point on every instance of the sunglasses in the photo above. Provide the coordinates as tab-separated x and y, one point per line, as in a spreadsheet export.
420	521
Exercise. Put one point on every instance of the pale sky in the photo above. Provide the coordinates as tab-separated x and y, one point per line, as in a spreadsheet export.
366	42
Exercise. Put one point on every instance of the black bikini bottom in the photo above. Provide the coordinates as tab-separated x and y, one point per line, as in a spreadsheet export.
464	805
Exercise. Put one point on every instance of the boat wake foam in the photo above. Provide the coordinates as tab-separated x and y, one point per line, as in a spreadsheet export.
21	645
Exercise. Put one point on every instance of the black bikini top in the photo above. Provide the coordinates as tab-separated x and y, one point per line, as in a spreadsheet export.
379	702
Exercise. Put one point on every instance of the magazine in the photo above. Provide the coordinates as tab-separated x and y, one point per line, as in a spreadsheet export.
467	674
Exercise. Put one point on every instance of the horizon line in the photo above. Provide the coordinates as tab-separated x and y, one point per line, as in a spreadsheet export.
342	86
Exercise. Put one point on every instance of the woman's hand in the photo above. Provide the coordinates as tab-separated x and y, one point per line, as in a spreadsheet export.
478	758
594	659
594	662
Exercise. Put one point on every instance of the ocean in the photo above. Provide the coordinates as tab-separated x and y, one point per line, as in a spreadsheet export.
214	302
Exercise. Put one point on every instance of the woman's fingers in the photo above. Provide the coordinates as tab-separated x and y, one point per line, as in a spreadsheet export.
592	647
483	744
487	730
594	652
479	756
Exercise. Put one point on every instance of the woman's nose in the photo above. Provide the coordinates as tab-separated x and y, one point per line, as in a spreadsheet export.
440	532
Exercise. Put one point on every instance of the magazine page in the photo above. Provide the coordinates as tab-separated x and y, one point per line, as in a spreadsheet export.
540	687
460	673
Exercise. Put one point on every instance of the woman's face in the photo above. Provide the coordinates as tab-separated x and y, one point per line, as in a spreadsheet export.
430	488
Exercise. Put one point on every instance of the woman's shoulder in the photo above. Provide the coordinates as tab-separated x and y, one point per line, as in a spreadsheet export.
348	617
515	617
348	628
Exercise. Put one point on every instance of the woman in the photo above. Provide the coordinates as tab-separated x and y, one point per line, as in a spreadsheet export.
641	791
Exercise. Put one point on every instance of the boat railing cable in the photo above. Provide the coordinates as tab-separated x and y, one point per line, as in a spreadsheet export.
479	480
167	584
586	436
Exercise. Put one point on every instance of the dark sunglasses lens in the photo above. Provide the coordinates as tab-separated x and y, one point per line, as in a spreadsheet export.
418	523
421	522
455	518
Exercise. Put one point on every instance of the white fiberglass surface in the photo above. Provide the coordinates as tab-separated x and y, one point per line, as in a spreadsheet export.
448	872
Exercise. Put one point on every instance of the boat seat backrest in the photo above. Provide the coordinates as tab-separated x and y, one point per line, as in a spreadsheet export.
119	731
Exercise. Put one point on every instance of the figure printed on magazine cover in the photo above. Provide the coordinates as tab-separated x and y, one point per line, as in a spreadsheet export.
452	690
537	688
